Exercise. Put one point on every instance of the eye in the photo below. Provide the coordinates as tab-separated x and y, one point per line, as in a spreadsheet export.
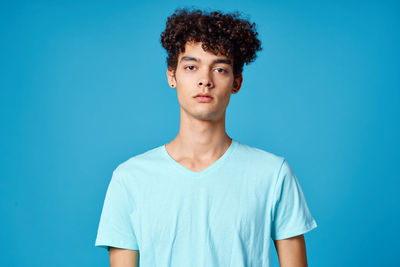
221	70
190	67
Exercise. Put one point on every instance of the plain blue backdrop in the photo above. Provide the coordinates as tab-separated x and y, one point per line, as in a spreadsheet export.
83	88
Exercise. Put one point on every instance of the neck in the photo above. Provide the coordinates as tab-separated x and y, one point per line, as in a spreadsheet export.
200	139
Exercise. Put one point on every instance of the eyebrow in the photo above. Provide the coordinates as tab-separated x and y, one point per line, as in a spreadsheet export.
218	60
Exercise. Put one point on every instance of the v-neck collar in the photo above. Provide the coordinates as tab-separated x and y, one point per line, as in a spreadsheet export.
214	165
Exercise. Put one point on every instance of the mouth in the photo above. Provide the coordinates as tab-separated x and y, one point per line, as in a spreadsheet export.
203	95
203	98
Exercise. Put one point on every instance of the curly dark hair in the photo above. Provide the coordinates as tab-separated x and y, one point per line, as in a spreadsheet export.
227	34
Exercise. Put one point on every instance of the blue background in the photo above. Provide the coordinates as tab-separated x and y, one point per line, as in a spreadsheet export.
83	88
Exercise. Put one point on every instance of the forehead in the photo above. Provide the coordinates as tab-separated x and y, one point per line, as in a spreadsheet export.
194	49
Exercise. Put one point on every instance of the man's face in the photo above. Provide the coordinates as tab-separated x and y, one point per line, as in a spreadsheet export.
203	72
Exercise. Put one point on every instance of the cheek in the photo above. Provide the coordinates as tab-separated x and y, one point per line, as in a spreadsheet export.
227	98
226	95
183	95
184	89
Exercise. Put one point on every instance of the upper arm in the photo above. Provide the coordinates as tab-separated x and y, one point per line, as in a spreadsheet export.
123	257
290	215
292	251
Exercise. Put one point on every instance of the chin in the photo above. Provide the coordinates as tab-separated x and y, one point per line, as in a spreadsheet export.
208	116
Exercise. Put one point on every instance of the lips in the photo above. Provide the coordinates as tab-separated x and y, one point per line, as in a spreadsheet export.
203	99
203	95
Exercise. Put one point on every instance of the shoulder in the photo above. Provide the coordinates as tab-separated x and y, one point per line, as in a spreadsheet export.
144	160
260	155
259	163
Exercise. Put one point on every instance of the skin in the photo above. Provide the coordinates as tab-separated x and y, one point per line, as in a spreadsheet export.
123	257
202	138
292	251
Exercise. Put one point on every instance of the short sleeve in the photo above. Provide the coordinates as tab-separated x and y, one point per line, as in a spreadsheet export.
290	213
115	228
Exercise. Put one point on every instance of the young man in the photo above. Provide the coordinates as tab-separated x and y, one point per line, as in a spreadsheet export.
205	199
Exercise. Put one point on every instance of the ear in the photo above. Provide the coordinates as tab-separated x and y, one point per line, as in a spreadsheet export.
171	77
237	83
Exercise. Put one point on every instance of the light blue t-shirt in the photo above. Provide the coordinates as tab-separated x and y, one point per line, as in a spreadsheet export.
224	215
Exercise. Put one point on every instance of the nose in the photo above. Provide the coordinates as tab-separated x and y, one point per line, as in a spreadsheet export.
205	81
